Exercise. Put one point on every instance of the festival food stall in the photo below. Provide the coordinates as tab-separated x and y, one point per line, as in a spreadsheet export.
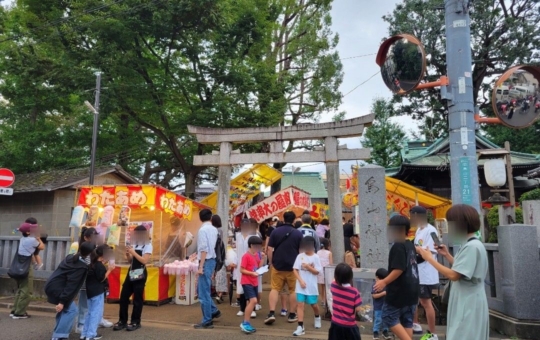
319	211
400	198
288	199
171	220
244	188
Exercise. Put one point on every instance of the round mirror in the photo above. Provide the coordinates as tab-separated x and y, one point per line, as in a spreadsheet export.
403	63
516	96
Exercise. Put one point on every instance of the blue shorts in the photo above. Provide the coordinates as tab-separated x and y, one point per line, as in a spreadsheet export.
250	292
307	299
392	316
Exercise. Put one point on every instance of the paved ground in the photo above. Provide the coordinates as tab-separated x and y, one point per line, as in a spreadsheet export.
164	322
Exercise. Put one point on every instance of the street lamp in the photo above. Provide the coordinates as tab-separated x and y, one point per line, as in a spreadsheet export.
95	110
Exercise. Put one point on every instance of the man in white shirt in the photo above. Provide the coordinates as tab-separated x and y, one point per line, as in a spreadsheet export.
206	254
429	277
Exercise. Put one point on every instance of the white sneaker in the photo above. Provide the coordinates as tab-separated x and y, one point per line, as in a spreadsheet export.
417	329
258	307
240	313
253	315
105	323
318	324
299	331
434	337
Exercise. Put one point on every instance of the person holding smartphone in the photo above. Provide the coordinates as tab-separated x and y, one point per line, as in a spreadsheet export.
429	277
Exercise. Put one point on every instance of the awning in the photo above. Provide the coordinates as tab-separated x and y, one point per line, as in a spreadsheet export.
246	186
438	204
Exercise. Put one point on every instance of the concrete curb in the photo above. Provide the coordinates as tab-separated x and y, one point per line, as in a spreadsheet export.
9	305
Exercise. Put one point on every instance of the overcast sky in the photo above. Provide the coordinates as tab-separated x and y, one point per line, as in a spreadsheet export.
361	30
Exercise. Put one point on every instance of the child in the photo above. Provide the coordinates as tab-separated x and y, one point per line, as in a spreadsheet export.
325	256
402	283
96	283
378	302
306	268
346	301
250	279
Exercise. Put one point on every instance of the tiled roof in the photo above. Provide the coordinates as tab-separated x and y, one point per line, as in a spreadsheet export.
432	154
58	179
311	182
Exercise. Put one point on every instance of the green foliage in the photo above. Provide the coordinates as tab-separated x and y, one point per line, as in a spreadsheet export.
502	34
533	195
165	64
384	137
493	222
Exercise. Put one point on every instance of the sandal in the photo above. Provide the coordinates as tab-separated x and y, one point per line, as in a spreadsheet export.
119	326
133	327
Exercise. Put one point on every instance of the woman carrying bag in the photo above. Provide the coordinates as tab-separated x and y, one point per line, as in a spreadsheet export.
138	255
63	286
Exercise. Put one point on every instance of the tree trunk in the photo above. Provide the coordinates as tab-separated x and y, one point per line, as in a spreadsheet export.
191	178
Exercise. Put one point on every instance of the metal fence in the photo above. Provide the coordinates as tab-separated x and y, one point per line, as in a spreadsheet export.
55	251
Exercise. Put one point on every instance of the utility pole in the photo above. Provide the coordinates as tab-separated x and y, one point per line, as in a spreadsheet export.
463	162
95	110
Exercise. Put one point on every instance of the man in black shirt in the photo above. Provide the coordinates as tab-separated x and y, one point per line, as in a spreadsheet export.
402	283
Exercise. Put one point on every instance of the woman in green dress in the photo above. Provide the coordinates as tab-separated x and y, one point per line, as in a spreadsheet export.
468	313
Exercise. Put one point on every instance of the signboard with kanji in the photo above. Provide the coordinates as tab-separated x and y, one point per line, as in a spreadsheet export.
279	202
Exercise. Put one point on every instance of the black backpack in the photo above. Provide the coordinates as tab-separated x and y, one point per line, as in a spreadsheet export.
220	254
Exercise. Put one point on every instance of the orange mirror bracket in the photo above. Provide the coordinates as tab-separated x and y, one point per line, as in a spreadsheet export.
442	81
484	120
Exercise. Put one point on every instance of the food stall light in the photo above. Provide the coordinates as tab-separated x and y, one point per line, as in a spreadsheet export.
100	209
152	208
263	187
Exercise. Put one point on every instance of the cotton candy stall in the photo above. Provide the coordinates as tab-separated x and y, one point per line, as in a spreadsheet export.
171	219
185	272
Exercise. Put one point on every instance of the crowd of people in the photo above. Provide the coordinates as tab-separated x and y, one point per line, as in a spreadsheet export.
296	252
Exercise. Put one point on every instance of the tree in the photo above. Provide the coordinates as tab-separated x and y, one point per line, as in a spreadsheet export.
384	137
503	33
166	64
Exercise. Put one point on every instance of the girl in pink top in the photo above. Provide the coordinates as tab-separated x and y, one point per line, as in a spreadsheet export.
346	303
325	255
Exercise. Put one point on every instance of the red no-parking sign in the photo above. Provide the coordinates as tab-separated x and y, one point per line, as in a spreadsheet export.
7	178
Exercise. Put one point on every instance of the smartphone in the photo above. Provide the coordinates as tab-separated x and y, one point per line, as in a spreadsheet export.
436	240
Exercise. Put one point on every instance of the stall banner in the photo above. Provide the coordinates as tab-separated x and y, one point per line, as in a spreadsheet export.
159	287
186	289
319	211
279	202
137	196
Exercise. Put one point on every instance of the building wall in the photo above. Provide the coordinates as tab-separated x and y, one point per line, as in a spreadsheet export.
15	209
52	209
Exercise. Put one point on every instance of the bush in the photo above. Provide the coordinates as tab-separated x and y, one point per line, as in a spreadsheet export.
533	195
493	222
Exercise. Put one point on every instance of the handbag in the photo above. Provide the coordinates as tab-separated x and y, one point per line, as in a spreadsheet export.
136	274
20	267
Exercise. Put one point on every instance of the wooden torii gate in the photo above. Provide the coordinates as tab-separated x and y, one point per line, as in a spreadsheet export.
330	154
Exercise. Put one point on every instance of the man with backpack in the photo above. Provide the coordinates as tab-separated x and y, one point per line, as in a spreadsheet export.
283	248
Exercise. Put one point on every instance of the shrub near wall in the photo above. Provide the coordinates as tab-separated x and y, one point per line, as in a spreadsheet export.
493	222
533	195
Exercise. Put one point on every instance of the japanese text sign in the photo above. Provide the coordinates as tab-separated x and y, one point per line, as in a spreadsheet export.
279	202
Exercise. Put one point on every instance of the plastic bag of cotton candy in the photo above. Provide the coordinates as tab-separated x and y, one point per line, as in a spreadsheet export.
180	267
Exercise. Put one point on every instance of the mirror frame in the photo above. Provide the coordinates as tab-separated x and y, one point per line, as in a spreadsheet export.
534	70
383	51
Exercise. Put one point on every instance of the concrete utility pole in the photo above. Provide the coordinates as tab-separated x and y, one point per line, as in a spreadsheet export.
463	163
95	111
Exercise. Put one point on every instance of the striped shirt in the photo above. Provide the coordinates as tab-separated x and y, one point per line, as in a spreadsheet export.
345	300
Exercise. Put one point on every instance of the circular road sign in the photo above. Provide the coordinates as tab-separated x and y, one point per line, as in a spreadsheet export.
7	178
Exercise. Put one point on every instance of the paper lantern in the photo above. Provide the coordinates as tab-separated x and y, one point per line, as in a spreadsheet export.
495	172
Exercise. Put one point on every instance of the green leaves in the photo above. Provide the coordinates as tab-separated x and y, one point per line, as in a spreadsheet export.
384	137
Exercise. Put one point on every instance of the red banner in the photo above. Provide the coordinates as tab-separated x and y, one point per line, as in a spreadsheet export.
279	202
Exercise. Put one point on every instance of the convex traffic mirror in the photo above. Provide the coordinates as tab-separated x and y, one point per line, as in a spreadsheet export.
403	63
516	96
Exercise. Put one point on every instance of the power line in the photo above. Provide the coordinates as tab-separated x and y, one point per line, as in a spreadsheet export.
359	56
362	83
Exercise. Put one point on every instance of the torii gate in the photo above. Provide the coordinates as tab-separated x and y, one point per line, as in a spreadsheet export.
330	154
